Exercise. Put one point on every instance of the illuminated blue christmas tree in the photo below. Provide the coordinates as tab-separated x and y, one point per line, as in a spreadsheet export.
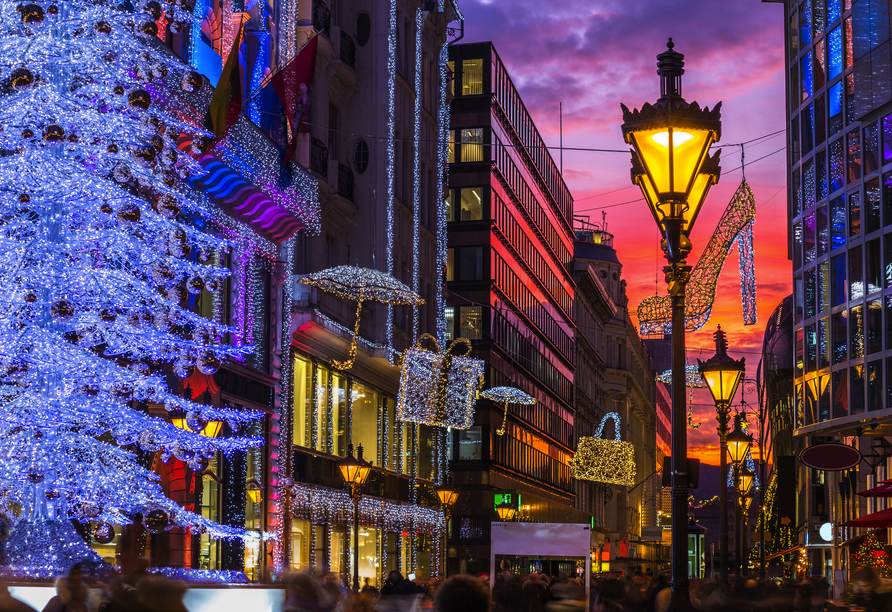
99	254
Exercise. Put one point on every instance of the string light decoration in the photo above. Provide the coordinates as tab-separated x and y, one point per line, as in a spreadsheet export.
201	576
735	227
872	553
416	180
391	158
693	380
442	191
101	245
439	388
609	461
361	284
506	396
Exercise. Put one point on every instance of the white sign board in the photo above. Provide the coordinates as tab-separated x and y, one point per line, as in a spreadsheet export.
652	534
566	540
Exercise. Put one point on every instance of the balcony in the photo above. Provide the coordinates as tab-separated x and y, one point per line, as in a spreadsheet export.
348	50
345	182
319	157
321	17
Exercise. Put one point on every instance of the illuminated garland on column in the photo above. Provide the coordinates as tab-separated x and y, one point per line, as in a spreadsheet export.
391	158
416	184
442	201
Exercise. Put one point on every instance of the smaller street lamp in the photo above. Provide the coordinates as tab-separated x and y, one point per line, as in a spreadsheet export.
745	481
506	511
722	375
447	496
355	471
739	443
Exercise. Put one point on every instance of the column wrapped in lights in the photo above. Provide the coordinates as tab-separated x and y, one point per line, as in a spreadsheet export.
670	142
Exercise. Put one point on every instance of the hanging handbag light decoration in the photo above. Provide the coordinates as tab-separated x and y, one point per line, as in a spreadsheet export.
439	387
610	461
505	396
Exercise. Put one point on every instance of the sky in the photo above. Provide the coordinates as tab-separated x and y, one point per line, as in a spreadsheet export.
591	55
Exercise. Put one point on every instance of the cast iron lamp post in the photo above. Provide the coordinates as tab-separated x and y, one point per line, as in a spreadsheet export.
739	444
355	471
671	164
447	496
722	375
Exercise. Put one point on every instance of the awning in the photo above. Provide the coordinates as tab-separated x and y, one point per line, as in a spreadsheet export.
884	490
882	518
240	198
783	552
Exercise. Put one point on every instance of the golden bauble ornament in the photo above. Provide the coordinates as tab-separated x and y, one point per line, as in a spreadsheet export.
32	13
191	82
153	8
178	243
212	284
104	28
104	533
30	297
129	214
112	148
118	90
108	315
208	363
195	284
156	520
147	29
27	134
53	134
139	99
62	310
168	206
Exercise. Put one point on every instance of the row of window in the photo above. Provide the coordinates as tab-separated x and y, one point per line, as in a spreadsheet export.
464	322
810	19
840	221
332	410
534	146
468	148
517	290
531	254
546	415
844	392
528	351
465	204
828	59
848	334
470	74
526	199
850	159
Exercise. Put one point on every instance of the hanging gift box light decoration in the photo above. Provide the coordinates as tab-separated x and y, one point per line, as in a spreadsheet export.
610	461
439	387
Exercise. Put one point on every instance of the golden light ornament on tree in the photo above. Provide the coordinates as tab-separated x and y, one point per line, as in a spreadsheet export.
32	14
156	520
129	214
599	460
361	285
62	310
21	79
53	134
139	99
439	388
191	82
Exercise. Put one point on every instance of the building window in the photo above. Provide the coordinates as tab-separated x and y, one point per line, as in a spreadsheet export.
839	333
471	322
363	29
470	444
209	548
366	411
465	204
472	77
470	264
451	146
450	322
303	402
472	145
840	393
361	156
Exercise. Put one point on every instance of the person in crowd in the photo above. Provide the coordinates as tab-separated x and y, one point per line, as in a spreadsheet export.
869	593
160	594
805	592
71	593
462	594
301	594
508	595
536	593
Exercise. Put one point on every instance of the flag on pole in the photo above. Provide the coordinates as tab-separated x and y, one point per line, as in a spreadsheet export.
226	103
292	83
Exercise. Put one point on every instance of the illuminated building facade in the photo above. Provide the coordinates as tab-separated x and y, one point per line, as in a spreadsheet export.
511	292
372	146
629	389
839	108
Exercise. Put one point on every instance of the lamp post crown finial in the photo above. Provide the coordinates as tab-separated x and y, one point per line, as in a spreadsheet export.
670	67
721	341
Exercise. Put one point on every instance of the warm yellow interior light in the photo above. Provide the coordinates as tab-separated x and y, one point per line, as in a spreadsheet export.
678	138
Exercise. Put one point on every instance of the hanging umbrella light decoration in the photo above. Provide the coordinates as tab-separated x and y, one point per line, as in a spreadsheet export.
693	380
506	396
361	285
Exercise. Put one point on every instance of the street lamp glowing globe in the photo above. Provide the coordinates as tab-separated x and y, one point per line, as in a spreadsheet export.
739	443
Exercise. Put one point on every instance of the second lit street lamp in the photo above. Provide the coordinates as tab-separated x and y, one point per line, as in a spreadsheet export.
355	471
739	444
671	164
722	375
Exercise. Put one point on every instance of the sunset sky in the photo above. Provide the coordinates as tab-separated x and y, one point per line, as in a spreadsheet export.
591	55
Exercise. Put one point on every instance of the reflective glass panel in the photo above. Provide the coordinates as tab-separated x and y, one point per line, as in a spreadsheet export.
837	166
874	326
875	385
856	332
809	238
871	147
834	55
854	213
824	343
838	280
856	273
840	393
856	392
839	334
823	231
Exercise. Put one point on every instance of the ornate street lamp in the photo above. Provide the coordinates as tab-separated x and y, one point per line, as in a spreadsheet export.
447	496
739	444
506	511
722	375
355	471
670	163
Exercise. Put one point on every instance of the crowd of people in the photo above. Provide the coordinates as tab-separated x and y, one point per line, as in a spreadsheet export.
637	592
